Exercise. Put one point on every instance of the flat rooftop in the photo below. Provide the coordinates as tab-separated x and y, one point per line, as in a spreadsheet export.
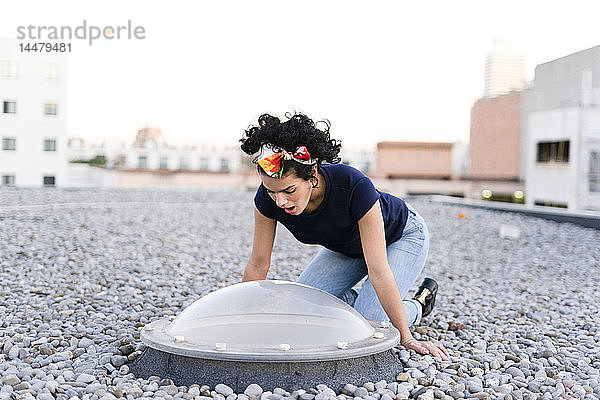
82	271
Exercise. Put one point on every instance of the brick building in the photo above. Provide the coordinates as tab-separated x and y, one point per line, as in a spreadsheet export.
495	151
425	160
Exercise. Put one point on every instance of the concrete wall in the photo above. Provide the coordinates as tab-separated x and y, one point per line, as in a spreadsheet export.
84	176
459	188
414	160
199	180
567	81
495	151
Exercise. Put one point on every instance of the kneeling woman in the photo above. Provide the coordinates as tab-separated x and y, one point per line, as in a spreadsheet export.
362	231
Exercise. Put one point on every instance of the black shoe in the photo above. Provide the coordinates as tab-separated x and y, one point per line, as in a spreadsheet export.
426	295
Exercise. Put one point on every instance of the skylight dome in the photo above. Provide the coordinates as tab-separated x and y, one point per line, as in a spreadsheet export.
270	321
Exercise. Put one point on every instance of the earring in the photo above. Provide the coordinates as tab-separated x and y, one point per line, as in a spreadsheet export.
314	184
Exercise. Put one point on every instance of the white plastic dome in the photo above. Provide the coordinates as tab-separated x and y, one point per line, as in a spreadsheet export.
270	320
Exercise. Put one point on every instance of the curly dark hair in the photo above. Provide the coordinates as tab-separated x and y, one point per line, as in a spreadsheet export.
298	130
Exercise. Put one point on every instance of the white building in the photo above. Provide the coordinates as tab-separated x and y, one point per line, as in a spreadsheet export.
504	68
32	116
156	156
460	159
154	164
363	159
561	122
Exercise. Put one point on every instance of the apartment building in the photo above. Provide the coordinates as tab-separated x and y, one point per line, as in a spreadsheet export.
32	117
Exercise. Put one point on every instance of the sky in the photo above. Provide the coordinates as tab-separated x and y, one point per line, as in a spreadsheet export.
382	70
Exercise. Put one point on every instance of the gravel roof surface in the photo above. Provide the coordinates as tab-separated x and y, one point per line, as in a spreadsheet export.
81	271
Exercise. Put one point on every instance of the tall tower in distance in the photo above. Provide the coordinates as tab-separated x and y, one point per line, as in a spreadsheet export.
504	68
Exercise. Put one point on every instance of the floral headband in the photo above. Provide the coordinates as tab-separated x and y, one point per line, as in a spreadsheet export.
270	158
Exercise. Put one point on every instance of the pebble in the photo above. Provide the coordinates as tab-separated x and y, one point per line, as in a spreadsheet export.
22	386
349	389
515	372
85	378
578	391
253	390
404	356
403	392
370	386
428	395
84	343
44	396
223	389
541	374
135	391
171	390
118	360
402	377
480	396
13	353
11	380
75	340
474	386
559	390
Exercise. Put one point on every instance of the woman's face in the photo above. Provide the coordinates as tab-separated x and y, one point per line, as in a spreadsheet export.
289	192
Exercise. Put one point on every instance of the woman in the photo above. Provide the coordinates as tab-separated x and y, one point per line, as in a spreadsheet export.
362	231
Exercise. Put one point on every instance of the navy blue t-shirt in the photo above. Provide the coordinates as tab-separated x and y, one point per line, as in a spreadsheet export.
349	194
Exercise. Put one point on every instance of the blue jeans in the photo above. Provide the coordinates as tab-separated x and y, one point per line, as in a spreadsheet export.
336	273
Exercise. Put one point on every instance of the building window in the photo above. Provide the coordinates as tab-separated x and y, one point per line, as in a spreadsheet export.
224	164
548	203
203	163
121	160
183	163
8	180
163	162
51	71
8	69
594	176
9	107
553	152
142	162
50	108
49	180
9	144
49	144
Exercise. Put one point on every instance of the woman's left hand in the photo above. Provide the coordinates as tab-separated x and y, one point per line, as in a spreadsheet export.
426	347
